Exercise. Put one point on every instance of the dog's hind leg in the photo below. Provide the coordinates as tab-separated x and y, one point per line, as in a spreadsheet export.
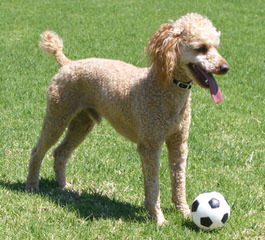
51	131
78	129
57	117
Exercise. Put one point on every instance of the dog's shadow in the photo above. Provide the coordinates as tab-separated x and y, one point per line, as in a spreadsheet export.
88	205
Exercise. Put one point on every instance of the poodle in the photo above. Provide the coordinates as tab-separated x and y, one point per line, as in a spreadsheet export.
148	106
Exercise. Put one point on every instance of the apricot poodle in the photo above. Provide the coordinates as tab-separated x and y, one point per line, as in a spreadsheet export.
148	106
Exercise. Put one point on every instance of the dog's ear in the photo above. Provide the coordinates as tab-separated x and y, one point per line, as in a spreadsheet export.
163	51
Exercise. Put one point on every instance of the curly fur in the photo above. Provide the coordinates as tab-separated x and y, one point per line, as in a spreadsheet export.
142	104
52	44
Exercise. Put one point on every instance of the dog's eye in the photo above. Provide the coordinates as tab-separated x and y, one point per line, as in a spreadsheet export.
202	49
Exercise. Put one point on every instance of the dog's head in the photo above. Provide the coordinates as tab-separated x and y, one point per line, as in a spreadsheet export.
187	50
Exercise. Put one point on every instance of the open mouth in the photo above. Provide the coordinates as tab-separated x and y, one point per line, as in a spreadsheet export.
201	75
206	80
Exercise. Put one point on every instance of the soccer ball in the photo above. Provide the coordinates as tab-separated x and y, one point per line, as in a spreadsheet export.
210	210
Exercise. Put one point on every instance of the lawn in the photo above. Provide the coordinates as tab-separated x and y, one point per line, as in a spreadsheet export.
226	144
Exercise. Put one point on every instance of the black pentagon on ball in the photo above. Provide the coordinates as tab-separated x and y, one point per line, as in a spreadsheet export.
214	203
225	217
206	221
195	206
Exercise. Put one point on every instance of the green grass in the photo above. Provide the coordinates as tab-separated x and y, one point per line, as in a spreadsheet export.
226	141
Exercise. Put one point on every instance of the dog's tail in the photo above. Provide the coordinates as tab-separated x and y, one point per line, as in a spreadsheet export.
52	44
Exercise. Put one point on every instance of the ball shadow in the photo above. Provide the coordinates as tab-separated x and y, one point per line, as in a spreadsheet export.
187	223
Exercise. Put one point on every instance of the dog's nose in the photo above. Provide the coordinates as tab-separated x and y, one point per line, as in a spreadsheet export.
224	68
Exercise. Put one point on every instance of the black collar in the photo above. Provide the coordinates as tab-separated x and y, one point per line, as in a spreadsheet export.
186	85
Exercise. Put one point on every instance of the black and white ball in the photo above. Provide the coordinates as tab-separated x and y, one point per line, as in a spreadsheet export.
210	210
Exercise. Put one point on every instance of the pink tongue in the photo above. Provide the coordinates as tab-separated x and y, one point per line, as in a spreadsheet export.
215	90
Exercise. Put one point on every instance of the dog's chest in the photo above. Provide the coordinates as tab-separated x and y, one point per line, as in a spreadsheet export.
178	116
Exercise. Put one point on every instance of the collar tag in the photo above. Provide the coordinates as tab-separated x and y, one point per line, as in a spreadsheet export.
185	85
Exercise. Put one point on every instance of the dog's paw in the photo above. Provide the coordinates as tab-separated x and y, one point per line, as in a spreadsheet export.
161	222
32	187
67	186
61	185
186	213
185	210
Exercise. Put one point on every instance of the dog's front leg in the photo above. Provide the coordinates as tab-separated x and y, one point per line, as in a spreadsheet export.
177	154
150	154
